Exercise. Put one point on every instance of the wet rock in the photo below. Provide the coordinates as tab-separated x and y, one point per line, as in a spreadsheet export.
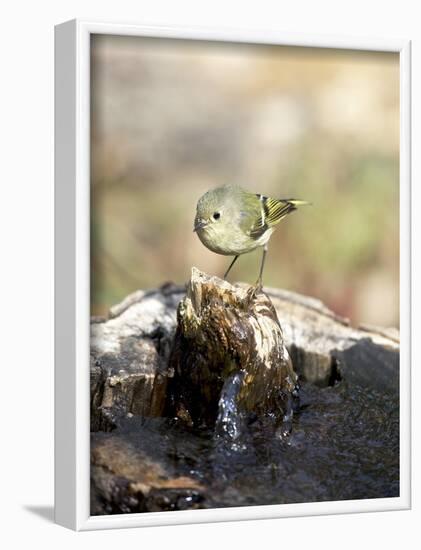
125	479
344	445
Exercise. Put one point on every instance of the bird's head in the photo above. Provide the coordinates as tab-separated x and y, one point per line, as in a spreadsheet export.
214	209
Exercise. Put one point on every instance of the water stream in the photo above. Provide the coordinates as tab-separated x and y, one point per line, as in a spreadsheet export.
342	442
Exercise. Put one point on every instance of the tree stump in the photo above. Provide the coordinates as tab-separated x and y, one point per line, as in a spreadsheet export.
216	357
131	348
229	356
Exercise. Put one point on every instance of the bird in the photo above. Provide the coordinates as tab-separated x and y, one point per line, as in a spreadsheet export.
232	222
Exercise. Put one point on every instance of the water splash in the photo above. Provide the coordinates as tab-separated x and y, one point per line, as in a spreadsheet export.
231	423
344	444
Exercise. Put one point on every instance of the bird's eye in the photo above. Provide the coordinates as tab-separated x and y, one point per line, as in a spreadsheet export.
216	215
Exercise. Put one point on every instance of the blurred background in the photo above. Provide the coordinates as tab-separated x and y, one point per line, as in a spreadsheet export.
171	119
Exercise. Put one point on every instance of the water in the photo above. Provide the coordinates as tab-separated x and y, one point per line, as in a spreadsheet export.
230	423
342	442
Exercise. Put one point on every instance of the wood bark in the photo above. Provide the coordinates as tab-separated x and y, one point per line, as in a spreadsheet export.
212	354
131	347
229	357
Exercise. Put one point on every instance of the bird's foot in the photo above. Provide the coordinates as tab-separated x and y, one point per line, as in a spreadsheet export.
258	286
254	290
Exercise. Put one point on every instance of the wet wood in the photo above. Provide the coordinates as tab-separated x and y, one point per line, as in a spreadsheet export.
228	339
125	479
130	349
216	355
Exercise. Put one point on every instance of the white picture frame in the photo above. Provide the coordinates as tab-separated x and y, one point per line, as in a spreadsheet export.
72	218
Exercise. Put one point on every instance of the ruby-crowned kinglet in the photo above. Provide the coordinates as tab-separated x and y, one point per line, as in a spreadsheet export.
232	221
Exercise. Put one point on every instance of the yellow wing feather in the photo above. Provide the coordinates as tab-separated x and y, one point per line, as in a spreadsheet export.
272	212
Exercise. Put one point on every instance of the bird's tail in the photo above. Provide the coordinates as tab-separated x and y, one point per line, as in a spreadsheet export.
296	202
276	209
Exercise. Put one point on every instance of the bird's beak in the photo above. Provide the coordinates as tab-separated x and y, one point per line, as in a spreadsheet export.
199	224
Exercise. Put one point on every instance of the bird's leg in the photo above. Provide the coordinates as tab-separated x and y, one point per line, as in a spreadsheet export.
259	283
229	269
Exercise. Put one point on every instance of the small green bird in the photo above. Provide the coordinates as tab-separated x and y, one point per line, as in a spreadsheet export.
232	221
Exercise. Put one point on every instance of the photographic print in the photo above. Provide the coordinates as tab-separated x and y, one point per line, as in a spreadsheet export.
244	274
